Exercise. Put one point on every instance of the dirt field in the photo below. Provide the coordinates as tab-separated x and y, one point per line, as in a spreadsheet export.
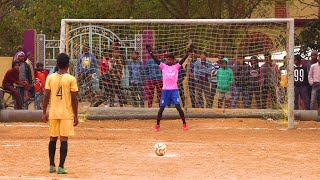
211	149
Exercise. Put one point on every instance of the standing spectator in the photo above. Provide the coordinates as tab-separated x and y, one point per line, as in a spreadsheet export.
12	77
86	66
136	73
181	76
104	81
19	50
215	68
314	81
269	81
40	82
202	73
254	85
116	74
241	73
300	84
154	80
225	79
283	81
29	61
314	60
191	79
24	75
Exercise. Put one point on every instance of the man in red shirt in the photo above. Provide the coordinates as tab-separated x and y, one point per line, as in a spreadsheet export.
11	78
104	82
40	75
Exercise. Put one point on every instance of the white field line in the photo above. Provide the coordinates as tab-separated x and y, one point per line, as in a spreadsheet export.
11	145
32	177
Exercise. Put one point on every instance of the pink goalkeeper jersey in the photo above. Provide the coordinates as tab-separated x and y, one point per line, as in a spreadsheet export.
170	76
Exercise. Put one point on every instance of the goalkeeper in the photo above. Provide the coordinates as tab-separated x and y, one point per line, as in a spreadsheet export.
170	93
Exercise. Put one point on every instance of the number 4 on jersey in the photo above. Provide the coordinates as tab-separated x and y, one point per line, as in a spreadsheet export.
59	92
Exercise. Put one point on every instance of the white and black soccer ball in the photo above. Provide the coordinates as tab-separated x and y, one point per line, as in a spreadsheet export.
160	149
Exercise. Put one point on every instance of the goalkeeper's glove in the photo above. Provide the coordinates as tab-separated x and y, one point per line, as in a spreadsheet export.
148	47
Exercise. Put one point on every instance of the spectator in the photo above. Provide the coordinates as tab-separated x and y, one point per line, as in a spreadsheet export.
25	76
181	76
300	84
202	73
11	78
19	50
314	81
29	61
314	60
241	73
136	73
215	68
116	74
41	76
269	81
254	86
153	80
86	66
191	79
104	81
283	81
225	79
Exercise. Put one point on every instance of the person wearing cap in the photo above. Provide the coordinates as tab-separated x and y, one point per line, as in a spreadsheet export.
253	84
202	74
269	81
225	79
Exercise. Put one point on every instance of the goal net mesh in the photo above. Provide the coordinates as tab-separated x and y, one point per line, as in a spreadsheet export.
235	66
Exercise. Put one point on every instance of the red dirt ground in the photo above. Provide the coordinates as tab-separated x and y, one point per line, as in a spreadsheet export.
211	149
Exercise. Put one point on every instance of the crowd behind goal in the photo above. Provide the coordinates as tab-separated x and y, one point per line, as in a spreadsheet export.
243	82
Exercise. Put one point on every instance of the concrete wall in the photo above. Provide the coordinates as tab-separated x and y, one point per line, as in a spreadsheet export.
5	65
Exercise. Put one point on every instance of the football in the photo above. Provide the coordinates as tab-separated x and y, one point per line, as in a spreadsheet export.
160	149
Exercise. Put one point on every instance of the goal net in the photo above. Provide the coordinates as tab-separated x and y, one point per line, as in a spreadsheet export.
236	67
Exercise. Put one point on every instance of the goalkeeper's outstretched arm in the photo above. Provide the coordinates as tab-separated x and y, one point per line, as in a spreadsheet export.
148	47
189	50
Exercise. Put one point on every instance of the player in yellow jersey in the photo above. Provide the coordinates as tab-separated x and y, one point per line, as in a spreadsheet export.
61	92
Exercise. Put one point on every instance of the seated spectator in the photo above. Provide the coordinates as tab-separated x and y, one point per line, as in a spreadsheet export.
11	78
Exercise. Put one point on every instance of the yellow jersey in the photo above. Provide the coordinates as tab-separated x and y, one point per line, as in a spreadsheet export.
61	86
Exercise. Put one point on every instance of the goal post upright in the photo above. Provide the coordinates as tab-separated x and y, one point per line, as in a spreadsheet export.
290	90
